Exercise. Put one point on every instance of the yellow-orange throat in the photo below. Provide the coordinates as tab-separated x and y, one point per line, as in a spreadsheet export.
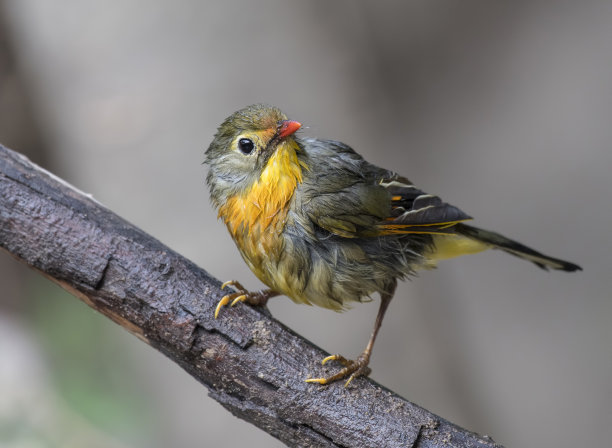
265	202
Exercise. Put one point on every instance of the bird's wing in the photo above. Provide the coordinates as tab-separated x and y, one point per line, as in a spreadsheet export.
414	211
352	198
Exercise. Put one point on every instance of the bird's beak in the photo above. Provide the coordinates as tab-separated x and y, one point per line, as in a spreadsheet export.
287	128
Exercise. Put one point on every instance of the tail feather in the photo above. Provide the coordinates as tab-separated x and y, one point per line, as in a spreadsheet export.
517	249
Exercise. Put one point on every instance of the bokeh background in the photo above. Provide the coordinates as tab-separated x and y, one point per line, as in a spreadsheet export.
502	108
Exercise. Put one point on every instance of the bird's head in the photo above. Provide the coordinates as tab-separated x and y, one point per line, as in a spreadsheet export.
243	147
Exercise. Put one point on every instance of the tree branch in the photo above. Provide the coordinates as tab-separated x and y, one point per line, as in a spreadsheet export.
252	364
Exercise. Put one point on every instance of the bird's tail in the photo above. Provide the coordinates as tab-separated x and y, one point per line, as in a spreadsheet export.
512	247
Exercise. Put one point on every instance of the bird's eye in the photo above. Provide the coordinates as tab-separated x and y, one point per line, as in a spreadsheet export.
246	145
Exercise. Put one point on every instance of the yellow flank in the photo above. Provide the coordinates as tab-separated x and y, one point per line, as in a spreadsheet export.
450	246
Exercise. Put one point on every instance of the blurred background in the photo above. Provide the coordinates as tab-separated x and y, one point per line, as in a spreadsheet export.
502	108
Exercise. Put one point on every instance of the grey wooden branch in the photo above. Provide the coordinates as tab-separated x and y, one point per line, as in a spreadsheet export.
252	364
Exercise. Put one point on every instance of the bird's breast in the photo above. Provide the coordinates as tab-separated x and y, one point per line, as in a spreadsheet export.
256	217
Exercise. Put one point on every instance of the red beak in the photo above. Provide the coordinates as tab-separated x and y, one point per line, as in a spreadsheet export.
288	127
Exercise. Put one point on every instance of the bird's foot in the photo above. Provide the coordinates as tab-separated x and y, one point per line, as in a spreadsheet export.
352	369
257	298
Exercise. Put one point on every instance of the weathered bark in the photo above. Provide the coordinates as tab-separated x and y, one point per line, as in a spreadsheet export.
252	364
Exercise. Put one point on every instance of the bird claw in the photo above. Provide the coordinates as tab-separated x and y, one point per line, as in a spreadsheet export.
233	283
240	298
341	359
352	369
241	295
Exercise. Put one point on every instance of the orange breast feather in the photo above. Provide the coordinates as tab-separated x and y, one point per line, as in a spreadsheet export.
257	216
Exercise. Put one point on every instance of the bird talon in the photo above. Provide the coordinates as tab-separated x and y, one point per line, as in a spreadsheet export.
235	284
361	371
224	301
341	359
351	369
317	380
327	359
240	298
349	380
242	295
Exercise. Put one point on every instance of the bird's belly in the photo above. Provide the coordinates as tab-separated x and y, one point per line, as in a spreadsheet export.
260	251
334	272
330	273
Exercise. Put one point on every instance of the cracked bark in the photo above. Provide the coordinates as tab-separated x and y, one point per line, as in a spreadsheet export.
252	364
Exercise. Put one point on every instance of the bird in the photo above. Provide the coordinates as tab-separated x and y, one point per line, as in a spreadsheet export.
319	224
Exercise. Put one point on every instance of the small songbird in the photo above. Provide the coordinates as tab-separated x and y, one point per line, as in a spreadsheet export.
316	222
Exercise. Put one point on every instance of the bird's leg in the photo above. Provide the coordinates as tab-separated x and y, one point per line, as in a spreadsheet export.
257	298
358	367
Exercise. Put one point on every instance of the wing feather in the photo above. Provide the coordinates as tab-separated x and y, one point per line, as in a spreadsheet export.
414	211
352	198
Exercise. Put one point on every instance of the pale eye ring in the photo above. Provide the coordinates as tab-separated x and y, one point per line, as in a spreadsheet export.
246	146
